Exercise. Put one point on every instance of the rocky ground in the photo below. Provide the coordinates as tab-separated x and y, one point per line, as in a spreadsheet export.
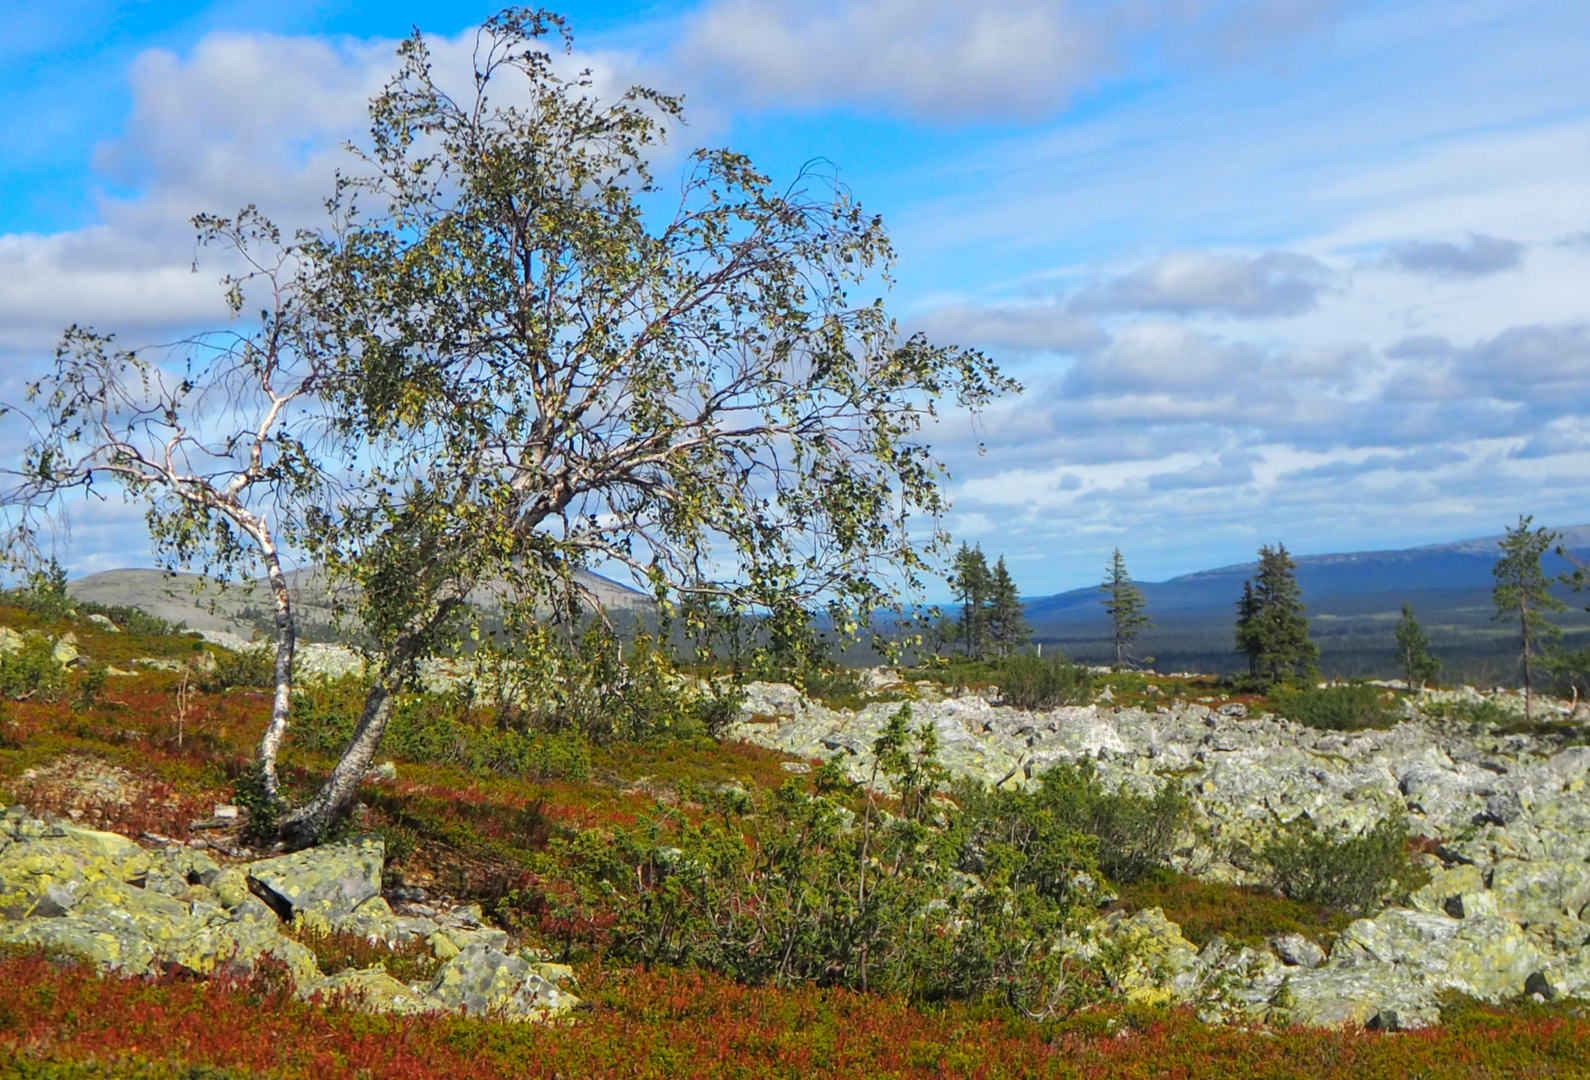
137	910
1505	815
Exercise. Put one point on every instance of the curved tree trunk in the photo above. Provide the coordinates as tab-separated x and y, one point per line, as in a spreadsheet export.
281	704
304	826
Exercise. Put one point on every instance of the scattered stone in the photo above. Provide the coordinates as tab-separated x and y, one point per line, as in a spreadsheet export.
322	884
1295	950
105	623
65	651
481	980
799	768
121	908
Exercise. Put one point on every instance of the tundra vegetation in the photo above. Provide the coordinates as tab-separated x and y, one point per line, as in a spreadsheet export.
521	367
520	354
724	915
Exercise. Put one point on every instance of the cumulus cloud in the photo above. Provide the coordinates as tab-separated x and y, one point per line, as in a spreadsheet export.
1532	363
947	60
1271	284
1425	459
937	58
1231	469
1040	327
1550	443
1480	256
240	119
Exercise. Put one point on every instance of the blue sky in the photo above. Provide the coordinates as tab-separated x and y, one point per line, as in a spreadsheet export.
1307	270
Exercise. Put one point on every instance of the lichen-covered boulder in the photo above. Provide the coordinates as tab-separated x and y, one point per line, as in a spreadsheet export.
1295	950
367	989
1540	891
101	939
481	979
322	885
1157	965
1486	957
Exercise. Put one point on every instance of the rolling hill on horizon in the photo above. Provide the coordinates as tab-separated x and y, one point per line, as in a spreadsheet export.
243	607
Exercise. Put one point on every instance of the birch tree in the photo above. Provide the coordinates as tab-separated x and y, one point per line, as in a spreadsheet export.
546	359
209	434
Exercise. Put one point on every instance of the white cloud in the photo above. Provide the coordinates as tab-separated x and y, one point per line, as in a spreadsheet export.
1272	284
936	58
1231	469
1031	327
947	60
1480	256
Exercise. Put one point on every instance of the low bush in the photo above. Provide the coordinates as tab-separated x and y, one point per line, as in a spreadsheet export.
439	729
1241	915
1030	682
602	687
1334	708
248	669
1482	711
31	671
964	898
1330	867
1131	834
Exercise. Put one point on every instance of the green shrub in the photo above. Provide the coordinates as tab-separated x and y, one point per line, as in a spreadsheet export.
965	898
1133	833
249	669
1484	711
1334	708
1354	874
31	671
439	729
791	887
1030	682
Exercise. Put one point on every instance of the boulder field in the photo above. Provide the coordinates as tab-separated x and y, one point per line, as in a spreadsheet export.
124	908
1506	816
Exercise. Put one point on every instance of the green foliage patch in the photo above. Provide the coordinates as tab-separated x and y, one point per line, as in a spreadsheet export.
1241	915
1351	707
31	671
963	898
1331	868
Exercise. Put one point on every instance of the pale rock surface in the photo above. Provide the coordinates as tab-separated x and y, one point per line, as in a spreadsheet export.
1500	917
115	905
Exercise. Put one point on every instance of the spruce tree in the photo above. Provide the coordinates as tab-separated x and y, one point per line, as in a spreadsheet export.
972	583
1523	593
1124	602
1271	627
1418	666
1007	624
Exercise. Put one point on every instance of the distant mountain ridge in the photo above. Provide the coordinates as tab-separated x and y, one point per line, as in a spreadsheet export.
1353	599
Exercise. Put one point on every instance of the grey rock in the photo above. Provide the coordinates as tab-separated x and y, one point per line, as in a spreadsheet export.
325	883
481	979
1295	950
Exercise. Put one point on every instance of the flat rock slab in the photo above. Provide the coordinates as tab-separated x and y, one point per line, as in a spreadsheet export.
328	882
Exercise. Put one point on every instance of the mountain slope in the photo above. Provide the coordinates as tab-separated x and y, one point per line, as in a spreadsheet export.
1353	599
204	604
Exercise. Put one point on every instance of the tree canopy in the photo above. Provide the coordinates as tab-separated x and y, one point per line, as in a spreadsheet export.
1124	603
1272	628
548	361
528	356
1522	595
